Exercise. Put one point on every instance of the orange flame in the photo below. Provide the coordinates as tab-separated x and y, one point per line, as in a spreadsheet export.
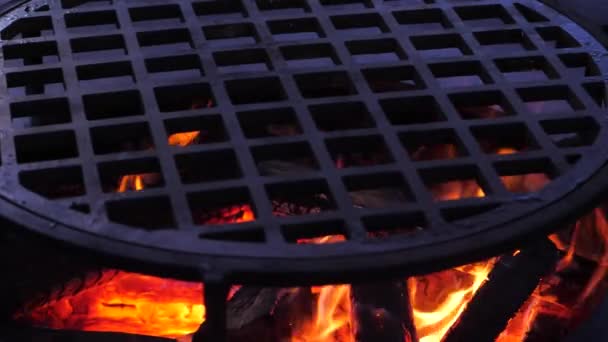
589	239
519	326
131	182
141	304
232	214
332	318
438	299
130	303
136	181
506	150
454	190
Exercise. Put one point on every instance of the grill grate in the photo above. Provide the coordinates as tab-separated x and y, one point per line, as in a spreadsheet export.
311	118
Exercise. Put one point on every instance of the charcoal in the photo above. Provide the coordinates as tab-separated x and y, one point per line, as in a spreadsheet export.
279	167
377	198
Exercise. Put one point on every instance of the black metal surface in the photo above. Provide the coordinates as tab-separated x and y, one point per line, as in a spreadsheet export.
56	66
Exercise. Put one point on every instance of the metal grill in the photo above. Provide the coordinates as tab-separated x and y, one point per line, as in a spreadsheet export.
314	118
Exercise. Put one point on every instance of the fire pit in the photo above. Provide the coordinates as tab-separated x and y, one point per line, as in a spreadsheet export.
298	143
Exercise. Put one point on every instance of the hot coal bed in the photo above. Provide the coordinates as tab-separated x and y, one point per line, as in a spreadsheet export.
303	170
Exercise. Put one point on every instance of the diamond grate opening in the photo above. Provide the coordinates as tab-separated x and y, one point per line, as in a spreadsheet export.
268	122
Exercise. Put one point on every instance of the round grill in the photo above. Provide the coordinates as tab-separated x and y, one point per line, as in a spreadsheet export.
234	137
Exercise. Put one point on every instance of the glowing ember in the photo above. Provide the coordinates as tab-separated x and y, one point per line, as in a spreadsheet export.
127	302
135	303
322	240
506	150
231	214
454	190
184	139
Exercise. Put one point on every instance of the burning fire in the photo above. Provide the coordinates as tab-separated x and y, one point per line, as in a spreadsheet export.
332	320
589	240
135	303
231	214
332	317
131	182
137	182
130	302
127	302
438	299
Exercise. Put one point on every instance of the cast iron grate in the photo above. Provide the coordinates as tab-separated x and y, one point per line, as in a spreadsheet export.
311	118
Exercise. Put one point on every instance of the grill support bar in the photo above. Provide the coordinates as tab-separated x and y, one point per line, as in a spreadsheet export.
383	312
214	327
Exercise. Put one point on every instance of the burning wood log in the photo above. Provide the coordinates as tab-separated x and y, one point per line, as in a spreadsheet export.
511	282
567	298
269	314
383	312
45	269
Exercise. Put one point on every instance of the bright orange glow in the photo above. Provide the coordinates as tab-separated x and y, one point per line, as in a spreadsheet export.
530	182
231	214
247	216
131	182
322	240
438	299
183	139
135	303
518	327
332	318
557	241
137	182
127	302
454	190
506	150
